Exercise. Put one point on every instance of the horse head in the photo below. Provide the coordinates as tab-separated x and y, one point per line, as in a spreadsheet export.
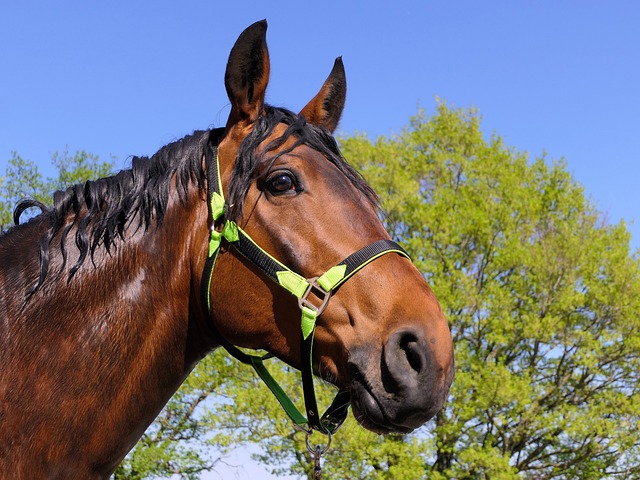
382	336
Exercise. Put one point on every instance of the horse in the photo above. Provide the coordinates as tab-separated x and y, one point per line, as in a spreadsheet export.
103	312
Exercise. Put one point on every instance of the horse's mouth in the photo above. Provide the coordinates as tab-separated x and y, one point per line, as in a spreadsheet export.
369	413
383	405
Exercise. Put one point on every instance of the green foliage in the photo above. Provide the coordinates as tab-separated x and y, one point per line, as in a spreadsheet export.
254	416
81	167
178	442
23	179
542	296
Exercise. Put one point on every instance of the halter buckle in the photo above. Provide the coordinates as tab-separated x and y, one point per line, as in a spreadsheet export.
320	293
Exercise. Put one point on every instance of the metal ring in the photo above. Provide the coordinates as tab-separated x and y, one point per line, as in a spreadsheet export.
301	428
311	449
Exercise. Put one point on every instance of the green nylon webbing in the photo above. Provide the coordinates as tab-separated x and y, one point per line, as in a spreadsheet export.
286	403
257	362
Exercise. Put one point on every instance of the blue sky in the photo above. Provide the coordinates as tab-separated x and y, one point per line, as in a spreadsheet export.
124	78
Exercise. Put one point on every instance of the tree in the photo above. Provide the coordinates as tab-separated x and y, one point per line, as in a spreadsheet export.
23	179
178	442
223	405
542	295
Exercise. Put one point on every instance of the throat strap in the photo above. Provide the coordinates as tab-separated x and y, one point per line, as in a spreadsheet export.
319	288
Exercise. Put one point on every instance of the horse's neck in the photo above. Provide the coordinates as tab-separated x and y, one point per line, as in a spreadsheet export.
113	343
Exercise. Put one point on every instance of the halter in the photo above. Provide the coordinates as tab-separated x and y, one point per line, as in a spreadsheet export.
321	287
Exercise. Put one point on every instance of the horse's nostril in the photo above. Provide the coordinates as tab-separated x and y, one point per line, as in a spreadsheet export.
415	354
406	358
411	387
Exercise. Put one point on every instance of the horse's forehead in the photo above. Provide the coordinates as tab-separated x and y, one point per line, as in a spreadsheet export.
292	146
278	131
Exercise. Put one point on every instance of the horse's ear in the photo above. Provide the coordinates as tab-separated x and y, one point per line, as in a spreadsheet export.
326	107
247	74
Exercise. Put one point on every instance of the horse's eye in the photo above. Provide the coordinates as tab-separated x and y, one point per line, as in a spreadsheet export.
281	182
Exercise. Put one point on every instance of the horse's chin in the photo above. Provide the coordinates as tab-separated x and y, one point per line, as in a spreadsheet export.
370	414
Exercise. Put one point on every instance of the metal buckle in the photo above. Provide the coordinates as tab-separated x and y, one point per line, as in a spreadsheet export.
315	289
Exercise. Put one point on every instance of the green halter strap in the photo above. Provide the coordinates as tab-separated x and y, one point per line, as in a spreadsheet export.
321	287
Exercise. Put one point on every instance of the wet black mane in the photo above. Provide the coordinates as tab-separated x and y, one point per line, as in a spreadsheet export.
102	210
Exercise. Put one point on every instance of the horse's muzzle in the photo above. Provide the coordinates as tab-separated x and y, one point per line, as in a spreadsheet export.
402	386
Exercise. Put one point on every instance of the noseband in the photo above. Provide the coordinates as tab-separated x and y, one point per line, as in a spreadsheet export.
321	287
